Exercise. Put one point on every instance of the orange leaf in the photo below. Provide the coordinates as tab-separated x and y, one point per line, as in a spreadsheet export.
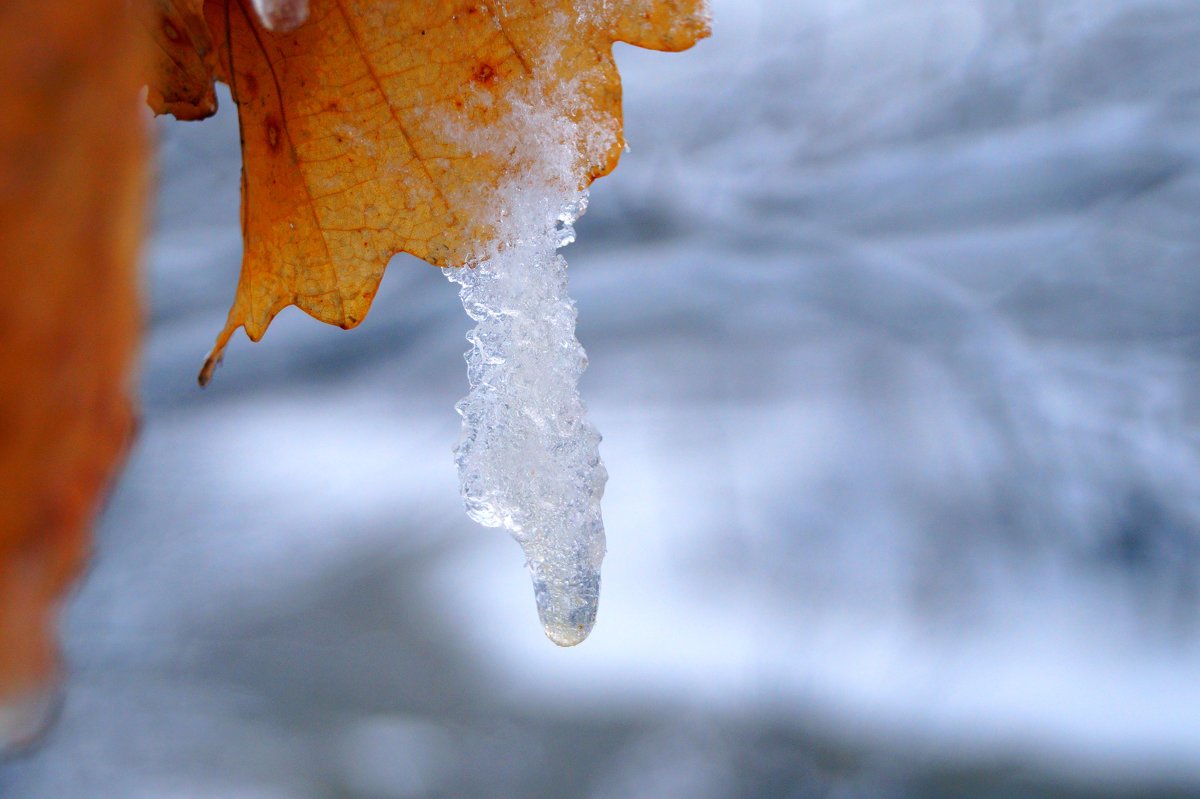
386	126
181	78
72	152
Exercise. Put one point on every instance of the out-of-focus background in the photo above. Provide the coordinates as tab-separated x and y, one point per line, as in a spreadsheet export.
892	311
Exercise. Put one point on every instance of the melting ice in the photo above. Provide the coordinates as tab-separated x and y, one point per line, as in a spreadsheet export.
528	459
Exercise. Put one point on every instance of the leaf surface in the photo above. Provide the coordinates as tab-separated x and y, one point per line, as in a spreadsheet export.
181	81
384	126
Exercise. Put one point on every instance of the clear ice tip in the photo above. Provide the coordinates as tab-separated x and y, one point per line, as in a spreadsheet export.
565	632
568	612
566	637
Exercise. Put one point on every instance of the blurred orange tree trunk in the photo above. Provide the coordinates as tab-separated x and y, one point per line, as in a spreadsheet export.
72	193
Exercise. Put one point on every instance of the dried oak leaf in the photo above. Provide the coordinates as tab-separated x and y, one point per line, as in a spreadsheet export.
386	126
72	190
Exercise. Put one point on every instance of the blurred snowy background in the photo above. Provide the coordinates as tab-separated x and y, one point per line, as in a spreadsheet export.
894	319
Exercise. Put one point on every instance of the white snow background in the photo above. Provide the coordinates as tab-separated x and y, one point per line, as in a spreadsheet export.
892	312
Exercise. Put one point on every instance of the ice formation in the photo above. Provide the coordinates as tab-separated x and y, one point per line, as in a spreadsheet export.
282	15
528	458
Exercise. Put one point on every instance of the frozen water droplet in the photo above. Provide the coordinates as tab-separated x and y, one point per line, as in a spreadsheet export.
564	226
566	604
565	234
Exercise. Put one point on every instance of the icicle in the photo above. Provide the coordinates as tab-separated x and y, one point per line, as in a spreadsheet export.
528	459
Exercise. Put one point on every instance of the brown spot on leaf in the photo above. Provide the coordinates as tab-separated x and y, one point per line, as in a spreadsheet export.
247	86
484	74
